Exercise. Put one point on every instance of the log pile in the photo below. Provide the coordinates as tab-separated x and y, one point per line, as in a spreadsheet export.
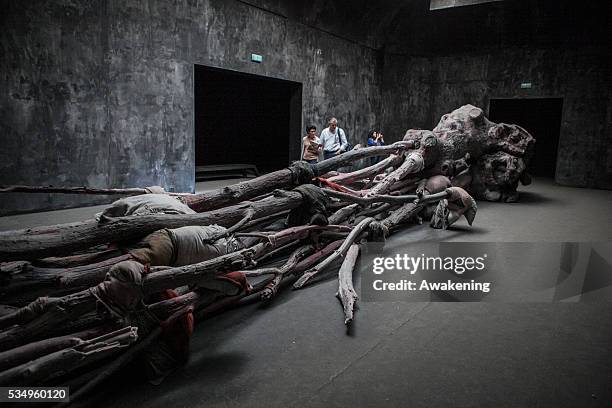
91	296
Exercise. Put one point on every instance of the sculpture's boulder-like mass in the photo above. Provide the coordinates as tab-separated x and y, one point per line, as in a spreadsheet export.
487	159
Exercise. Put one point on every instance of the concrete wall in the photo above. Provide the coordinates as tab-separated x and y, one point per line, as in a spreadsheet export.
433	86
100	93
445	59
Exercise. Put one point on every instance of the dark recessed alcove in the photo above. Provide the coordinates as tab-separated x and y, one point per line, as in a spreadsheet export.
244	118
542	118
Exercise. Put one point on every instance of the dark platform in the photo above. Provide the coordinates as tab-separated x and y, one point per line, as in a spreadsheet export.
225	171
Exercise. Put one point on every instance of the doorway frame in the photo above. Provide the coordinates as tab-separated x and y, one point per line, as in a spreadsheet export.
295	108
562	130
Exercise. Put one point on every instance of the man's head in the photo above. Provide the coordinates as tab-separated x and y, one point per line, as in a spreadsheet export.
311	130
333	124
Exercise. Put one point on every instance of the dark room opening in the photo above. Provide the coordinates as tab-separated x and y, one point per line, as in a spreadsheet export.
542	118
245	119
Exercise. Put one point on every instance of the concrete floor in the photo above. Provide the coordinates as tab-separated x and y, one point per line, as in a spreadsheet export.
296	352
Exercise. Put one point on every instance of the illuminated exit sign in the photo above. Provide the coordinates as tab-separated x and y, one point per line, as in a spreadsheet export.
256	58
526	85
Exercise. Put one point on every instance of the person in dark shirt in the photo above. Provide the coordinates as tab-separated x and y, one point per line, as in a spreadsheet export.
375	139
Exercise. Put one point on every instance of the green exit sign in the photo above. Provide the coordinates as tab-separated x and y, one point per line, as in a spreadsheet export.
256	58
526	85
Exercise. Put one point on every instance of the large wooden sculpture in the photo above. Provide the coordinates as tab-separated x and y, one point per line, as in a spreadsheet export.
81	294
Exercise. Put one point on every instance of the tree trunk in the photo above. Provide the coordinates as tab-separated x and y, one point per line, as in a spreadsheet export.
282	179
346	292
63	239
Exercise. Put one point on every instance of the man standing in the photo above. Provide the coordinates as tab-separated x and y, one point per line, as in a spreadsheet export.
333	140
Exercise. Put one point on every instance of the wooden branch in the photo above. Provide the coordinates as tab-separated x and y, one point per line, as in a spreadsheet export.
208	309
61	362
164	308
115	366
340	252
43	317
37	338
281	179
72	190
407	184
346	292
374	210
388	183
348	178
65	238
233	194
313	259
230	301
48	314
409	210
413	163
343	214
370	199
32	351
262	220
185	275
272	287
358	154
77	260
34	282
248	215
277	251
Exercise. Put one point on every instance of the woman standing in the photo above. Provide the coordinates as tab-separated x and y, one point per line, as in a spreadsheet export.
311	145
375	139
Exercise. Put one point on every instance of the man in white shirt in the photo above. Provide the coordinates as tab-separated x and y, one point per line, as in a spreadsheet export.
333	140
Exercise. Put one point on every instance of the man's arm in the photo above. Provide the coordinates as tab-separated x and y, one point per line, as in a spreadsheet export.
303	149
343	141
323	138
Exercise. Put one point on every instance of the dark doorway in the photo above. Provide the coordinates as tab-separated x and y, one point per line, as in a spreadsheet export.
542	118
243	118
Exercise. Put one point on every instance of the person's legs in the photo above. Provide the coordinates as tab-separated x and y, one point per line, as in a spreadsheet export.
154	249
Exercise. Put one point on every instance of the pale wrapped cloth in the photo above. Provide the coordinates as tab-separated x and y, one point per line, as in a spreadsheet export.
184	246
145	204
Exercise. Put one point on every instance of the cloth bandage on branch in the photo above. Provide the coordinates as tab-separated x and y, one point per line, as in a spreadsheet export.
144	204
184	246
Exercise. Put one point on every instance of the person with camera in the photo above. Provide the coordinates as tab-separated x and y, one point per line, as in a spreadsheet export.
375	139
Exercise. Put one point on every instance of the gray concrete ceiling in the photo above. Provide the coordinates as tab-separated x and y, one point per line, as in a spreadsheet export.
409	26
364	21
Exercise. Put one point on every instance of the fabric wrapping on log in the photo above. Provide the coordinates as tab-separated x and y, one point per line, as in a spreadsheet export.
156	249
164	356
121	291
155	190
230	284
416	160
183	246
301	173
121	294
193	244
313	209
462	203
145	204
437	184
